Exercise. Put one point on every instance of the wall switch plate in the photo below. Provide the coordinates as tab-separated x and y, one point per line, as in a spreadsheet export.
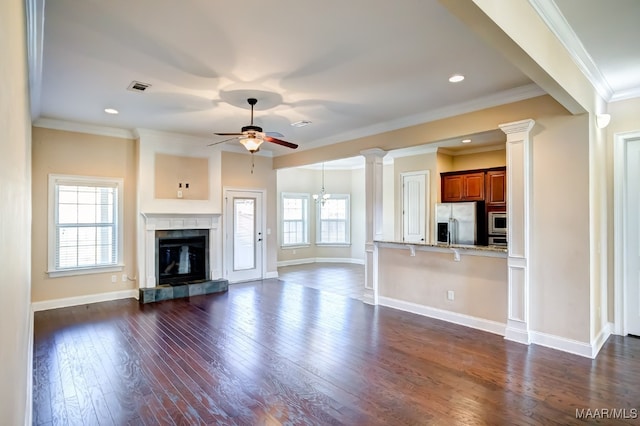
124	278
114	279
450	295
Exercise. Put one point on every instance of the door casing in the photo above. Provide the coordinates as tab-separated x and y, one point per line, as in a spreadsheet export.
227	219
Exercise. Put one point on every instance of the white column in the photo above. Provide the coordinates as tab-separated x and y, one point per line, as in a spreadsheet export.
519	169
373	202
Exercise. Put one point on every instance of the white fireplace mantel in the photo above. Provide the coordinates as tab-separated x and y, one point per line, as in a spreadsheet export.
168	221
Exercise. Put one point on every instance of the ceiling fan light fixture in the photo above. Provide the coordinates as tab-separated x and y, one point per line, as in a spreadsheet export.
252	143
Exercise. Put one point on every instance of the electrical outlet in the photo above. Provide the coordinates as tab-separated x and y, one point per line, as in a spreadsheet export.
294	251
124	278
451	295
179	194
114	279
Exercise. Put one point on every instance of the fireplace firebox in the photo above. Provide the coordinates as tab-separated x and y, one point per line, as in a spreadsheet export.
182	256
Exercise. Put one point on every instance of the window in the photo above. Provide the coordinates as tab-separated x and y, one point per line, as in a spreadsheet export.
295	219
333	220
85	232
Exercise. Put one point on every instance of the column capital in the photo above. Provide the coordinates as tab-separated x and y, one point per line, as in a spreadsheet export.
373	153
517	126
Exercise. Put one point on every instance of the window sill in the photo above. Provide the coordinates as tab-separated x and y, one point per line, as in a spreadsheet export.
333	244
84	271
295	246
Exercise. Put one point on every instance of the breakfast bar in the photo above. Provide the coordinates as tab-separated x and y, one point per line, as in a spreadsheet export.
463	284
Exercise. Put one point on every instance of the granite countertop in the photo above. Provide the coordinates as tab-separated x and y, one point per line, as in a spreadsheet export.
496	249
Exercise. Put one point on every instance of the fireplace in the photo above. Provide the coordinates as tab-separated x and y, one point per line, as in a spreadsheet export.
182	256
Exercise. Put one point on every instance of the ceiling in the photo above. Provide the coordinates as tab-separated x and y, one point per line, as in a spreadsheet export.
350	68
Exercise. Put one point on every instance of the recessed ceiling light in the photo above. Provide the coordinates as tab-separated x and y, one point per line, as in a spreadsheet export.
466	141
456	78
111	111
301	123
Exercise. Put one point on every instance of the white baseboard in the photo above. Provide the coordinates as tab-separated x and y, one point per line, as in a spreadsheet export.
516	335
293	262
601	339
562	344
272	274
452	317
82	300
543	339
320	260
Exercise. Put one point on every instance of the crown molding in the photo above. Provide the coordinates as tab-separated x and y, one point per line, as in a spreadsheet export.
71	126
622	95
557	23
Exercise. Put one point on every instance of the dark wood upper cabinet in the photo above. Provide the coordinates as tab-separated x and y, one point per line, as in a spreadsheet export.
474	187
462	186
496	187
452	188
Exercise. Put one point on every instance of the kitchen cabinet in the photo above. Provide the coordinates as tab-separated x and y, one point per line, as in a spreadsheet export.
496	187
465	186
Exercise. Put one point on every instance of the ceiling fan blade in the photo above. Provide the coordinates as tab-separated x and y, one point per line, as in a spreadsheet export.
280	142
274	134
229	134
223	141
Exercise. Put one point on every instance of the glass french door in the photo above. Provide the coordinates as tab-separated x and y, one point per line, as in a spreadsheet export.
244	238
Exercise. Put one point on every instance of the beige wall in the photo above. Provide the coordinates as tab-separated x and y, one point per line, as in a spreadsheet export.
16	332
560	250
479	160
309	181
63	152
479	283
174	172
236	174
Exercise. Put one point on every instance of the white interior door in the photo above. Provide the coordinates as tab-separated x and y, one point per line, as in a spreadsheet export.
632	233
244	236
414	202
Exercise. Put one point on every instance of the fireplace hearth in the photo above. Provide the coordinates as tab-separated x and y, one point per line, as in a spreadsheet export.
182	256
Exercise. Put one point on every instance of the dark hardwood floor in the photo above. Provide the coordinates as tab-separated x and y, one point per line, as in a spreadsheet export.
271	352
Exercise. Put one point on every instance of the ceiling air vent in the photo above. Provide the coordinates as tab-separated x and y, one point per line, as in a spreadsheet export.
137	86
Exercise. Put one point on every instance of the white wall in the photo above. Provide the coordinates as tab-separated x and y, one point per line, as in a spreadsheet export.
16	332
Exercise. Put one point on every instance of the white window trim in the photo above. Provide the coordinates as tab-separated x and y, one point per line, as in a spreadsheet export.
306	219
55	179
347	243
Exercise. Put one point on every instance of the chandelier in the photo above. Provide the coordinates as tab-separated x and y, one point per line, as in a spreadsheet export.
322	196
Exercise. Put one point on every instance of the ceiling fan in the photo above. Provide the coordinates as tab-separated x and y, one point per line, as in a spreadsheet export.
251	137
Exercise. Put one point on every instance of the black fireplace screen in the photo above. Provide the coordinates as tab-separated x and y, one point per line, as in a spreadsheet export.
181	259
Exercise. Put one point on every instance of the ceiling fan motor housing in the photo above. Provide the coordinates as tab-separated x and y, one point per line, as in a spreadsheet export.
252	128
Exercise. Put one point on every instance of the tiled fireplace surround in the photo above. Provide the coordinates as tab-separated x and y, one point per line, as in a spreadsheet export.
149	290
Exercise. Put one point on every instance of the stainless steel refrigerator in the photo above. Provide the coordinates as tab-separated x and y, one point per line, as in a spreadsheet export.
460	223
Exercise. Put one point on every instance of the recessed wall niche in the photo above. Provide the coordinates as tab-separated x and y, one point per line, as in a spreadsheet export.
181	177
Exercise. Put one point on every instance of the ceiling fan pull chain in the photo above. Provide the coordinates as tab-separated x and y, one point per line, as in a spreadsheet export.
252	162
